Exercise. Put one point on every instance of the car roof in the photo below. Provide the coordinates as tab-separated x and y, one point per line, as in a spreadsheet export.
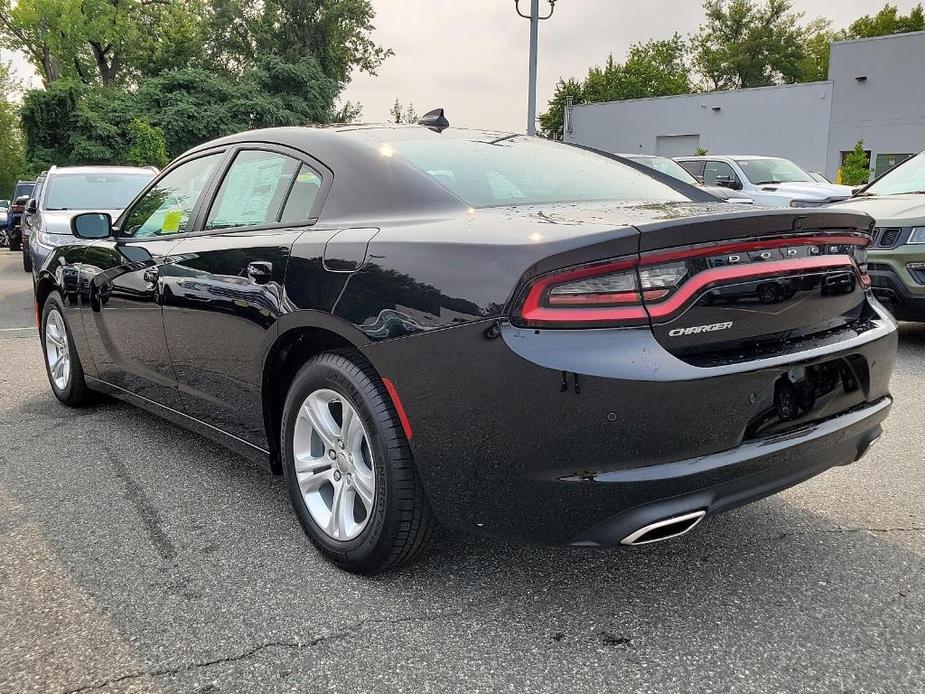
370	182
729	156
92	169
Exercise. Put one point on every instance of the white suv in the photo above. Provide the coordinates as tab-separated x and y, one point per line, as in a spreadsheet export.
769	181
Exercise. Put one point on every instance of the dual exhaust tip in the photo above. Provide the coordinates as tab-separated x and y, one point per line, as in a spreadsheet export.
667	529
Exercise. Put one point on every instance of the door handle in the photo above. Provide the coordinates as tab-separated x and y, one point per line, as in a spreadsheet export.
151	275
260	271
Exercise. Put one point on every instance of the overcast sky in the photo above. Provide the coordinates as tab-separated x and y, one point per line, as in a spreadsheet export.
470	56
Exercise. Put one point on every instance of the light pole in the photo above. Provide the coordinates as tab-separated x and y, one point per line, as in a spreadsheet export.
535	19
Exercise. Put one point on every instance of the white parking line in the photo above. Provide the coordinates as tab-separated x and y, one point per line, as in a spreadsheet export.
8	330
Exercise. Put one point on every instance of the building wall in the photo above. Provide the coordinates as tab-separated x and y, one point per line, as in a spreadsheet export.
790	121
887	110
808	123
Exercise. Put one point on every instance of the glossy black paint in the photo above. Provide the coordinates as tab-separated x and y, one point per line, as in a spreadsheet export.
558	435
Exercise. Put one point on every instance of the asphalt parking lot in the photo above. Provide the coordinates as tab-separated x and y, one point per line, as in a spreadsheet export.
137	557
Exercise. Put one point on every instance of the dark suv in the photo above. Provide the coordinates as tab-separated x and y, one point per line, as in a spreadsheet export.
21	194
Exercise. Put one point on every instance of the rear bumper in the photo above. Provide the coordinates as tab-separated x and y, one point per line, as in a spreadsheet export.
733	478
564	436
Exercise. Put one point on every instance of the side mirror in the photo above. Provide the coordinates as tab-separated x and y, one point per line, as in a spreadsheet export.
728	182
92	225
32	206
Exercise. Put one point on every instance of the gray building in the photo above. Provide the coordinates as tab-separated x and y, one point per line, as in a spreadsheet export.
875	92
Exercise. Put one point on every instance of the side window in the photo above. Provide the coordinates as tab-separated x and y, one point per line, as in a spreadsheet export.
694	168
253	190
302	197
717	170
166	208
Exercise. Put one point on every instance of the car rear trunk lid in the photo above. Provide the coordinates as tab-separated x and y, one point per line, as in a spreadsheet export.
738	283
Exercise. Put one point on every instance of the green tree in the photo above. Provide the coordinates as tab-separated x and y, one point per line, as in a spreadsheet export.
855	170
654	68
552	120
397	114
337	32
744	44
887	21
103	42
147	145
12	151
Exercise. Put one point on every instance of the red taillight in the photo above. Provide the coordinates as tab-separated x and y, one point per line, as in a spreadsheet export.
591	294
659	285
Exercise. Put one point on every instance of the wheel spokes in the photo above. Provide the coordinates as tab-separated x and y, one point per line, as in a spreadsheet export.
364	486
336	525
332	463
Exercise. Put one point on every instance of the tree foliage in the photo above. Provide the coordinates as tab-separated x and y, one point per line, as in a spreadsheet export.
654	68
855	170
887	21
398	114
744	44
12	157
136	81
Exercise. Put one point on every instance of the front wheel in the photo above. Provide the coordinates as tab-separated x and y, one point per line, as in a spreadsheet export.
62	363
348	467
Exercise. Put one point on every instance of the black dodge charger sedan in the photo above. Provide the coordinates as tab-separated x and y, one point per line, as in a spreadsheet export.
494	332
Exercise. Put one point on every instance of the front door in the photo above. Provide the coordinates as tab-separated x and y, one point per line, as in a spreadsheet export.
223	294
123	289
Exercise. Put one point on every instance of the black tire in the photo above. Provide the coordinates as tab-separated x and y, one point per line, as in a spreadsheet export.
26	261
75	393
401	524
15	245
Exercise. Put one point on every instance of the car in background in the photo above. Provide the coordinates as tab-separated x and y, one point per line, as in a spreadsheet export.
769	181
64	192
896	257
4	214
21	193
28	215
494	330
672	168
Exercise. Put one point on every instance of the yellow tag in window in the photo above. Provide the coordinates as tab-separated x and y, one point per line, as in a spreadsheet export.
172	220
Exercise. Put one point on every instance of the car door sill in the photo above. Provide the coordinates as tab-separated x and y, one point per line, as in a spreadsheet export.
230	441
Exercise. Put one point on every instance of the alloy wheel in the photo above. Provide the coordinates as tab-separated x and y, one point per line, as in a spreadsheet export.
334	464
56	349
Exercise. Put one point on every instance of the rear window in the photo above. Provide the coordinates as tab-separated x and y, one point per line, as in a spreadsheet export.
521	170
104	191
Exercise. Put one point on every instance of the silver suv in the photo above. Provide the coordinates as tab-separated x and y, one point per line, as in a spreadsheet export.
68	190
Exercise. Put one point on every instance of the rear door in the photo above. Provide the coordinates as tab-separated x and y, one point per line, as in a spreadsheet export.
223	291
122	288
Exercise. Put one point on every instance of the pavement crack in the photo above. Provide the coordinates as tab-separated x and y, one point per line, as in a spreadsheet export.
344	633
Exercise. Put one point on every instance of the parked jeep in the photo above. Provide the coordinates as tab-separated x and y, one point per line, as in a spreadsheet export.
896	258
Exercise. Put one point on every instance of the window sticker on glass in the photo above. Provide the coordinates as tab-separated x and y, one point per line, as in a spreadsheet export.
172	221
252	190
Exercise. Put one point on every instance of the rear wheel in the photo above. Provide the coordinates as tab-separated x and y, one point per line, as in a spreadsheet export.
62	364
15	244
348	467
26	260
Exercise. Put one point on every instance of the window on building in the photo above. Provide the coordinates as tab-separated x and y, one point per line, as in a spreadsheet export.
885	162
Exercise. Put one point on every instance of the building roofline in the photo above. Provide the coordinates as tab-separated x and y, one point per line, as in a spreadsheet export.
709	94
879	38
